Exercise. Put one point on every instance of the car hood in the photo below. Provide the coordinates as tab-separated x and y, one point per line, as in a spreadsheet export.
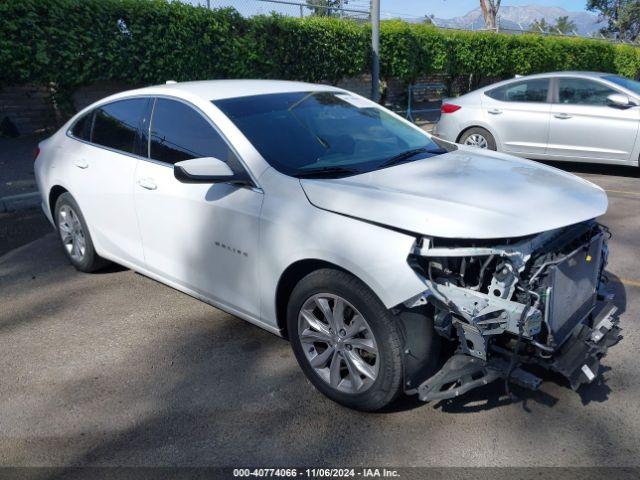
463	194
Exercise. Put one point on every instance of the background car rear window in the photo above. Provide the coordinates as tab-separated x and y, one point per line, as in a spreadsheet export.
579	91
178	132
82	128
116	125
534	91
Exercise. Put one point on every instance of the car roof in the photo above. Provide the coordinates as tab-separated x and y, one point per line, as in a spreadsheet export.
570	73
219	89
537	75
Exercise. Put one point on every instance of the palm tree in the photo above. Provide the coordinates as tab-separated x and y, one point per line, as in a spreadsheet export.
540	26
564	25
325	8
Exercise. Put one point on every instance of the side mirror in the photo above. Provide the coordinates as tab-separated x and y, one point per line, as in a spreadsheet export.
618	100
205	170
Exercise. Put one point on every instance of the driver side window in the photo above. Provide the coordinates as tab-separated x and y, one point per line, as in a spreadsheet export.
579	91
178	132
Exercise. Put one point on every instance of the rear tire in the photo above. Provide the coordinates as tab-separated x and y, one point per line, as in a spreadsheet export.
346	341
74	235
478	137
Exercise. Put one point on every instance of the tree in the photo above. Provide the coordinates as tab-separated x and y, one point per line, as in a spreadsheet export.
325	8
622	16
490	12
428	19
564	25
540	26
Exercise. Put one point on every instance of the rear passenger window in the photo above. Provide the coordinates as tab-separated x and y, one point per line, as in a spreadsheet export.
532	91
116	125
82	128
178	132
578	91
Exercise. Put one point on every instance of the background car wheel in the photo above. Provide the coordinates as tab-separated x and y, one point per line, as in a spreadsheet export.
345	340
478	137
75	236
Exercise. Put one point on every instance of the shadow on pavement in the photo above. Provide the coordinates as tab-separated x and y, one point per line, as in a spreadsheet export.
20	228
16	164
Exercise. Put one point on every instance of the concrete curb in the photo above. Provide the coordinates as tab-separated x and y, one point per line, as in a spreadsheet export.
23	201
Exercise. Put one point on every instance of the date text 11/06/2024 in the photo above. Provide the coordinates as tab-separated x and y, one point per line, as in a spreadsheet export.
317	472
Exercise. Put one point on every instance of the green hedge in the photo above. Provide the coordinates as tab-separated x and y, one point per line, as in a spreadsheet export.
72	42
313	49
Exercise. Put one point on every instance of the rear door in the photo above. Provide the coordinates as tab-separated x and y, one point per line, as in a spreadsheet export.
585	127
102	172
519	113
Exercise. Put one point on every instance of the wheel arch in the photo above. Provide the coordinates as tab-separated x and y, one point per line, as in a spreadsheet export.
416	325
484	126
290	278
54	194
469	127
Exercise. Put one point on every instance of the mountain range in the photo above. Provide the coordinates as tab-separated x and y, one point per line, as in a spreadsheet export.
513	16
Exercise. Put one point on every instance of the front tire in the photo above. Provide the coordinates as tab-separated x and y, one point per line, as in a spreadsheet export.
75	236
478	137
346	341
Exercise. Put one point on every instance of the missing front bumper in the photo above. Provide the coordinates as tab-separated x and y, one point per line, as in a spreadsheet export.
578	360
579	357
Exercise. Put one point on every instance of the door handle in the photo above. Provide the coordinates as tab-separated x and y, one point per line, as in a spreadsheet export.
562	116
495	111
81	163
147	183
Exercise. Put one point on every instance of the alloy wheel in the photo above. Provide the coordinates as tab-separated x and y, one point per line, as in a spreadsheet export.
476	140
72	233
338	343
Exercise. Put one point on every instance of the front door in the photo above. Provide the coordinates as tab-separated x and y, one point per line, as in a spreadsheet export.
585	127
200	236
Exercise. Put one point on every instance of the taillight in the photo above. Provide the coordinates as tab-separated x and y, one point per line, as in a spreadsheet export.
449	108
36	153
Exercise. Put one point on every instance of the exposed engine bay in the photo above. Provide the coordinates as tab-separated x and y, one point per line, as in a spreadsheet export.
512	303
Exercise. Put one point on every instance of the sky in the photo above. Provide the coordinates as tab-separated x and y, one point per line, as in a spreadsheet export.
456	8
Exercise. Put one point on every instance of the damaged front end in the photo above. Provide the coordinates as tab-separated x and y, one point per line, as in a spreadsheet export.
510	304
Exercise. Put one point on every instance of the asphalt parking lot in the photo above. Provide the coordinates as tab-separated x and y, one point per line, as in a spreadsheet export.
116	369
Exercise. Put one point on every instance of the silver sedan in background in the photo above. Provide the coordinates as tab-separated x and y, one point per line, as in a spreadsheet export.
569	116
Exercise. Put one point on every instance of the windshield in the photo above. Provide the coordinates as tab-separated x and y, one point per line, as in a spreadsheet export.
328	133
625	82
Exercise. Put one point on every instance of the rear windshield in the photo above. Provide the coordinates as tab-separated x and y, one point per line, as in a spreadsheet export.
300	131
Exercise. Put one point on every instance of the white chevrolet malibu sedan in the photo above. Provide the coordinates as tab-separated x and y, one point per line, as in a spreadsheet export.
320	216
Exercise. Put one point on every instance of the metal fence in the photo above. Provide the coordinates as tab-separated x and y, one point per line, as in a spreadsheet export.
551	32
519	29
360	10
355	9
